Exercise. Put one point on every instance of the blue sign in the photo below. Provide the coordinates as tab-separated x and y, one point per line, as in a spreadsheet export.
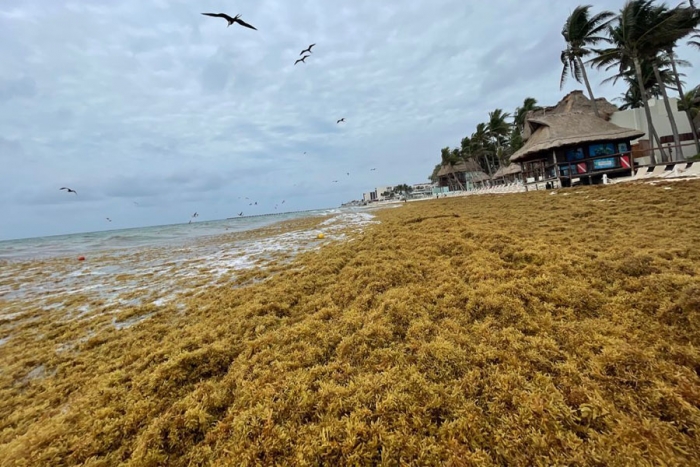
607	163
601	149
574	154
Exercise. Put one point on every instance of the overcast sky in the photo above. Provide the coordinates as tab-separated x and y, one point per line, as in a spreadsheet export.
149	102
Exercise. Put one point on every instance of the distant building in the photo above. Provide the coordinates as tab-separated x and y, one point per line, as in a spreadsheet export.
508	174
369	196
381	190
635	118
465	175
421	190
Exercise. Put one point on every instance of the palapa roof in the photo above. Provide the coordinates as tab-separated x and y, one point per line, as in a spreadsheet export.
470	165
511	169
555	131
575	101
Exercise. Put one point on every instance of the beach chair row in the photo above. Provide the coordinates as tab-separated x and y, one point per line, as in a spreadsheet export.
684	169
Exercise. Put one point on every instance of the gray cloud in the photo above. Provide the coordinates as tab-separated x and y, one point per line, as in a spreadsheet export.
149	101
17	88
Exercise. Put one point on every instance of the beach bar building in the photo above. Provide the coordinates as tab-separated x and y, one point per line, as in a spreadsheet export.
508	174
568	143
465	175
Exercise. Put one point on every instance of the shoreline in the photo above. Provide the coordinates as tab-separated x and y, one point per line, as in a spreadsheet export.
466	330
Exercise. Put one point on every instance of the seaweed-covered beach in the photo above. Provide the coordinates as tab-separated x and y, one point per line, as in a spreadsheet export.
545	328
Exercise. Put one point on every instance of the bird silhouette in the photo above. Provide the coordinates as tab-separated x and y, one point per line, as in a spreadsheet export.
372	169
110	220
236	19
240	213
341	120
302	59
69	190
348	173
307	50
335	181
283	201
195	215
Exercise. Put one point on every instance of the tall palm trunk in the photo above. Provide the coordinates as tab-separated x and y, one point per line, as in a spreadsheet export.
452	171
679	85
588	86
669	111
647	110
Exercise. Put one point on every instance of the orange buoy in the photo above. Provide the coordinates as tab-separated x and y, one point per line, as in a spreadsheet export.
321	236
81	258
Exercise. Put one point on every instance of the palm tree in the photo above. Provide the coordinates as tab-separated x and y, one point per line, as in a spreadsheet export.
690	17
433	176
449	158
638	33
681	21
529	104
631	99
691	102
580	33
696	37
482	147
651	84
652	76
696	41
498	127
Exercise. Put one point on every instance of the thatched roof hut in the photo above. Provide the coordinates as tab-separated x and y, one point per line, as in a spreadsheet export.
575	101
564	129
512	169
465	171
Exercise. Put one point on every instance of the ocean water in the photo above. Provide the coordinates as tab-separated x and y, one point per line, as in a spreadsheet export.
173	235
155	265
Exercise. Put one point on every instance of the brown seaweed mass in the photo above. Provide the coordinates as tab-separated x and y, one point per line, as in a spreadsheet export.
527	329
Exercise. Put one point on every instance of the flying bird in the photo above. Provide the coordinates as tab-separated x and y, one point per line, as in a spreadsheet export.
230	20
69	190
302	59
240	213
307	50
335	181
372	169
110	220
195	215
341	120
283	201
348	173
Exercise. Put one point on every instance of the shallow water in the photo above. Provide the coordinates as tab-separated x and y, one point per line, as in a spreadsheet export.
171	235
155	265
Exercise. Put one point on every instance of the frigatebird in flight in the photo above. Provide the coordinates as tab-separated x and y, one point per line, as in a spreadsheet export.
302	59
307	50
230	20
341	120
69	190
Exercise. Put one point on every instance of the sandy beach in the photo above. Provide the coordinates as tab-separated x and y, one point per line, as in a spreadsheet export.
545	328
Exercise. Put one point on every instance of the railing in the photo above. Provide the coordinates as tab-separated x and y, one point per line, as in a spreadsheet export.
670	155
596	165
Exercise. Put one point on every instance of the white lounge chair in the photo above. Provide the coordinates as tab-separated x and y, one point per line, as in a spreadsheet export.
693	170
